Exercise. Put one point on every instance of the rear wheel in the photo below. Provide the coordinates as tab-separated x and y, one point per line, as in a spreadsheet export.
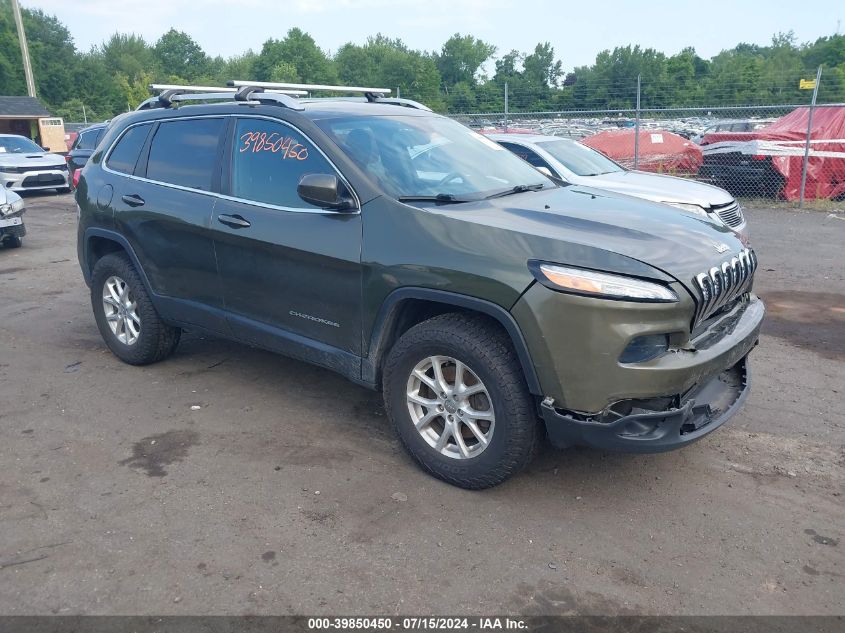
125	315
455	391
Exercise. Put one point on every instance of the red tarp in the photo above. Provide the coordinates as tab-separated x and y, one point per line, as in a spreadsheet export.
784	141
660	151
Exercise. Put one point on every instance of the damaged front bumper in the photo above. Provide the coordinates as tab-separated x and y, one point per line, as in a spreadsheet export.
646	429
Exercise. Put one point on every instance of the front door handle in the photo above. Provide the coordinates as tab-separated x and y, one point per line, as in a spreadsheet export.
235	221
133	200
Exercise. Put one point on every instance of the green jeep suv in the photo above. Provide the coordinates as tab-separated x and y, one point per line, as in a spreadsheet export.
397	247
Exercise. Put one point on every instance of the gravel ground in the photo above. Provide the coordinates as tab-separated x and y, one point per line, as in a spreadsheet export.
229	480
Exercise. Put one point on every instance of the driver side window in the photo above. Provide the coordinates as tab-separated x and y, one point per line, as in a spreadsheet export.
268	160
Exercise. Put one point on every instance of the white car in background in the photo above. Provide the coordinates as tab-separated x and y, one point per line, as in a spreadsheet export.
24	166
12	228
571	162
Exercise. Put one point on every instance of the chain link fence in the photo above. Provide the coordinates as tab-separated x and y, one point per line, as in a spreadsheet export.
793	151
762	136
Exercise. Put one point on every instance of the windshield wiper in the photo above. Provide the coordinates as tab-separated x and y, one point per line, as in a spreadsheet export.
517	189
440	197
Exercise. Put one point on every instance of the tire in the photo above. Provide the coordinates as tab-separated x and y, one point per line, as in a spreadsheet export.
147	339
12	241
489	358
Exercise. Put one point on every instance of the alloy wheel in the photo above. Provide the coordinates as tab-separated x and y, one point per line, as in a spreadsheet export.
121	310
450	407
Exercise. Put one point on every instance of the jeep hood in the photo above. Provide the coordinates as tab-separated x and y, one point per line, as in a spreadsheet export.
597	229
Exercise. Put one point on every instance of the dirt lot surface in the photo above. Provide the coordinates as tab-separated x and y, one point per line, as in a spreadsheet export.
230	480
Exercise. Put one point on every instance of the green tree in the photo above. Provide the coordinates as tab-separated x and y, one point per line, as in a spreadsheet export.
285	72
51	51
238	67
115	75
461	58
461	98
298	49
133	92
128	55
388	63
11	69
178	54
540	67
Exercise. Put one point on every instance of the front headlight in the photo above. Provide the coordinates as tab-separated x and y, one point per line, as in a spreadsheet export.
692	208
605	285
12	208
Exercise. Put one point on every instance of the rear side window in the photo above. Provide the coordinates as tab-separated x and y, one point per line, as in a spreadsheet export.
88	140
268	159
185	152
125	154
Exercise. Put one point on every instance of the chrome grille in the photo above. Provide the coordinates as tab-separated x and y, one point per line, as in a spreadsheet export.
730	214
721	285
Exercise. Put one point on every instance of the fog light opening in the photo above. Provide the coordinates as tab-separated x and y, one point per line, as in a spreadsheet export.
645	348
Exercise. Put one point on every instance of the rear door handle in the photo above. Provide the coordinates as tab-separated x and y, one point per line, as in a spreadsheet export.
235	221
133	200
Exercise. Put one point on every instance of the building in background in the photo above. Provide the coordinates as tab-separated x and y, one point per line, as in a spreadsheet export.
28	117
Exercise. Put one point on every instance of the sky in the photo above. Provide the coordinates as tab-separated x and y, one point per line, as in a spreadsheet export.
577	30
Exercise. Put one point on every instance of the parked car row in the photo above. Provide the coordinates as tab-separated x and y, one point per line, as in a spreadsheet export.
24	166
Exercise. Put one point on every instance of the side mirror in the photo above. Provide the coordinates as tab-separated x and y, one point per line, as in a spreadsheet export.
325	191
46	149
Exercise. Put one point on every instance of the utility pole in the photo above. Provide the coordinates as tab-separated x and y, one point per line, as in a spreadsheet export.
27	66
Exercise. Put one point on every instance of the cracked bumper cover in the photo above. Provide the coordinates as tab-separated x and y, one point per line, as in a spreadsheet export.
702	410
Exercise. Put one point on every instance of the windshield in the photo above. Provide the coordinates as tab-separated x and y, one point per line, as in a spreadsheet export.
17	145
580	159
431	156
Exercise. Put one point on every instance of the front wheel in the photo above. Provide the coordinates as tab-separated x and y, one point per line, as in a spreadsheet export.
455	391
125	315
12	241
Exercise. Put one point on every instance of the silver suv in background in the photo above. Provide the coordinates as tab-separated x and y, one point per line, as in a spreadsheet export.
24	166
571	162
